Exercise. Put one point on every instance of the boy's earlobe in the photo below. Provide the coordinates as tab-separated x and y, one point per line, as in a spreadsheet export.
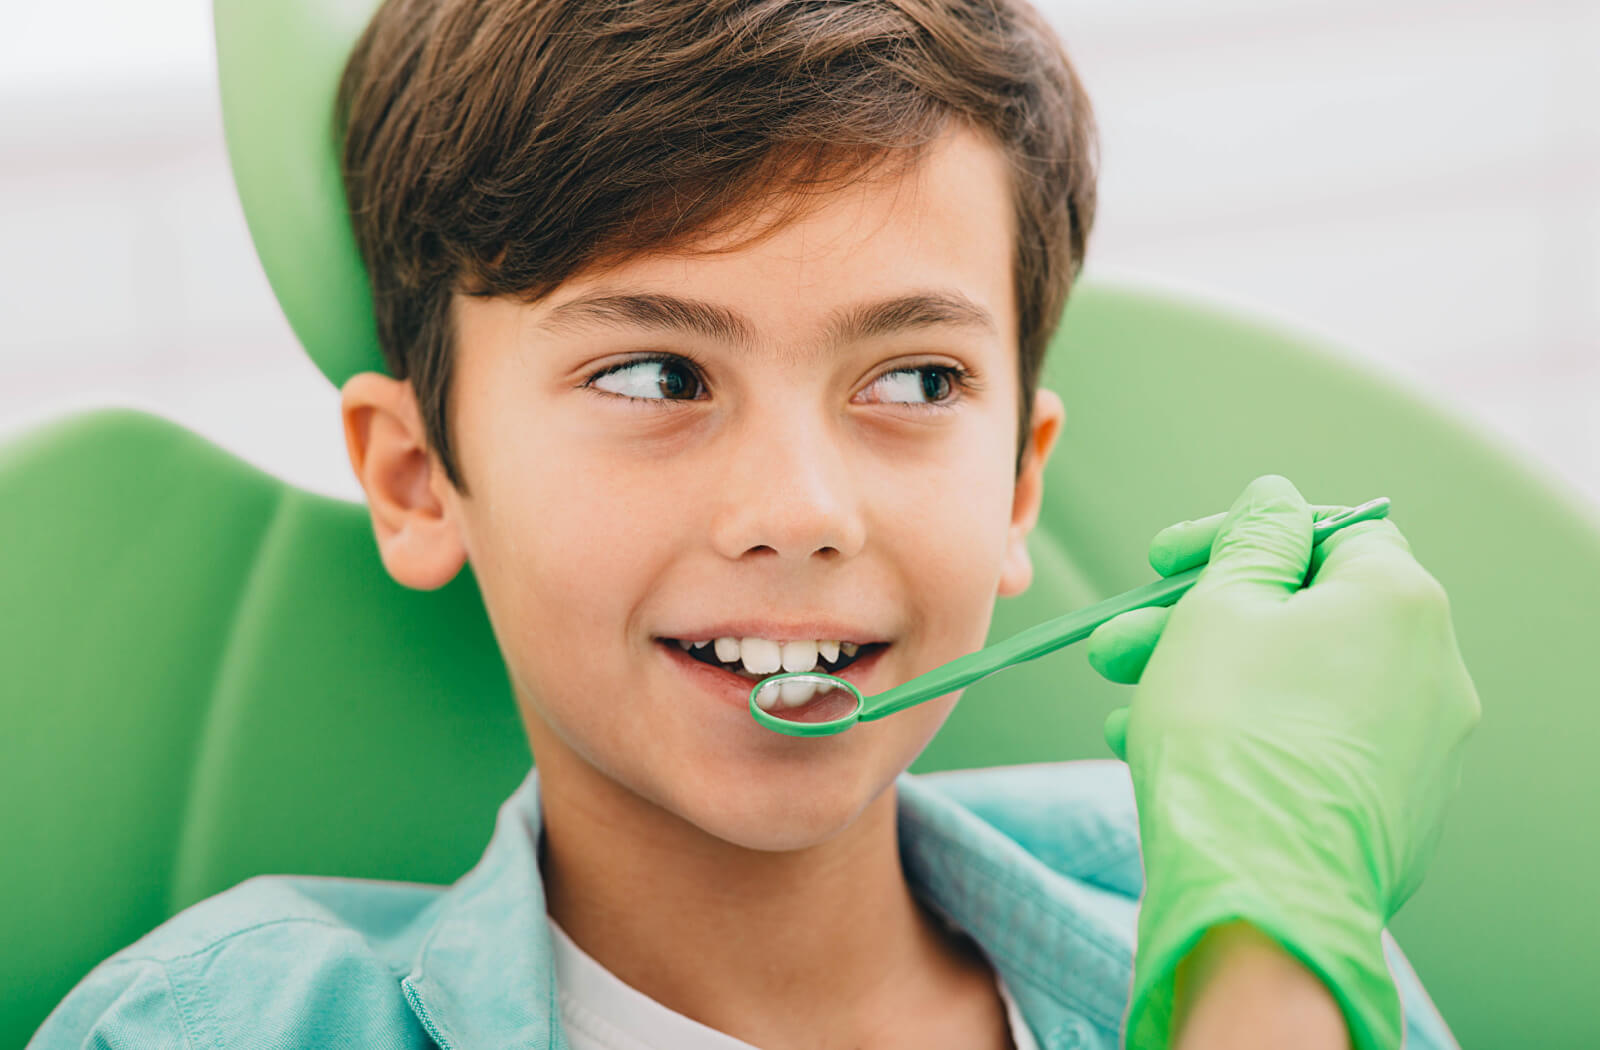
387	445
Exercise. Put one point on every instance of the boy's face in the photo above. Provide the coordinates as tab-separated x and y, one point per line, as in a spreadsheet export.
805	472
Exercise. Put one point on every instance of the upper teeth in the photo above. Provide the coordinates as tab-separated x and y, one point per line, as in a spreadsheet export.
763	656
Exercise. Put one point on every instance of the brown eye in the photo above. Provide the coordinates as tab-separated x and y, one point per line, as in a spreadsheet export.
662	378
935	383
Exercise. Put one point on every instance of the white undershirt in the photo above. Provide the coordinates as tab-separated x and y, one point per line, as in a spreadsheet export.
601	1012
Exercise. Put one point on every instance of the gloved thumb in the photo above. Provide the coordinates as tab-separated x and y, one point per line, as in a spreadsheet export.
1264	542
1116	731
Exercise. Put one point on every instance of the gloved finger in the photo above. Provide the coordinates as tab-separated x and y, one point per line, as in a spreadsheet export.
1367	548
1120	647
1116	732
1263	545
1186	544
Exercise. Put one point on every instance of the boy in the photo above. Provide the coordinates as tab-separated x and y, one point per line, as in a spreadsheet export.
715	333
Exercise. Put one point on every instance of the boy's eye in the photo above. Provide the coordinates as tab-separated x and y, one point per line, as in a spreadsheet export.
937	383
644	377
667	377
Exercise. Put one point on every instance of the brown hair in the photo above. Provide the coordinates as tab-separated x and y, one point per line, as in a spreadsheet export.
498	147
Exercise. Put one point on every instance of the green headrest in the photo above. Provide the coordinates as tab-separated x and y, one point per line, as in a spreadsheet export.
279	63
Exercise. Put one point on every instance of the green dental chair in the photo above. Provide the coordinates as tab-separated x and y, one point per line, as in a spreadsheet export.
207	674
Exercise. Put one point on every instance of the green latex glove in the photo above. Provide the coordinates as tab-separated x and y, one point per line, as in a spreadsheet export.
1292	750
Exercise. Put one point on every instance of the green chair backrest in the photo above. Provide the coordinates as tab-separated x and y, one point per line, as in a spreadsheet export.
208	674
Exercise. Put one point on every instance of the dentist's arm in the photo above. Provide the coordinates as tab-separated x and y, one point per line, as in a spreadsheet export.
1292	745
1239	990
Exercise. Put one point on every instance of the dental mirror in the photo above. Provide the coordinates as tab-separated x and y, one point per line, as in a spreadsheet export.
811	703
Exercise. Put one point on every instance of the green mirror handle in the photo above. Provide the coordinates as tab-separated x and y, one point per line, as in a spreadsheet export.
1064	630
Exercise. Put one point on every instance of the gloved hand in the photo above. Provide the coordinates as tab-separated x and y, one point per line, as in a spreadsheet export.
1292	750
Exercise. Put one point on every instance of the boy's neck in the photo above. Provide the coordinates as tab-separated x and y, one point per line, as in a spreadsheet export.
824	946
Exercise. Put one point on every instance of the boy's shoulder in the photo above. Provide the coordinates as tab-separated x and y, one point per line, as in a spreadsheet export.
1076	817
331	949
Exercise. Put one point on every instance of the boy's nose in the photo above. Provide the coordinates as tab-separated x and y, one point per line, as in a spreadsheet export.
788	488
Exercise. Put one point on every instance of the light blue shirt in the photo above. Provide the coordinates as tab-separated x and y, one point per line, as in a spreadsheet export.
1039	864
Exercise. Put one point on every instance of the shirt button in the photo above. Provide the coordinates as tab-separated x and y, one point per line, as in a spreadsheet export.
1069	1036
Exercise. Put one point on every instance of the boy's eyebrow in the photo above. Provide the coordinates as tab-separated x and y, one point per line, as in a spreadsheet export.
860	321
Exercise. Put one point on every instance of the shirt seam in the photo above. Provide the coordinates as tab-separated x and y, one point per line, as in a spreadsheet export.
184	1006
224	938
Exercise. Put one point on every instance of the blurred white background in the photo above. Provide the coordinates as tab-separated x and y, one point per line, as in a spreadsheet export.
1419	180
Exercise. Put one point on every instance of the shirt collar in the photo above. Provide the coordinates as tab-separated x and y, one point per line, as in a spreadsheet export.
1056	941
483	974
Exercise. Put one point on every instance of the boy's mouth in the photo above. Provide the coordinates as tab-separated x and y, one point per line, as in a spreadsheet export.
827	663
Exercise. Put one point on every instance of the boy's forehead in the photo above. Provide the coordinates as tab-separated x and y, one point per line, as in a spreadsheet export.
930	243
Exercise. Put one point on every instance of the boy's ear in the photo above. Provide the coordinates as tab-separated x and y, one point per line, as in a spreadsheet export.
1016	573
407	491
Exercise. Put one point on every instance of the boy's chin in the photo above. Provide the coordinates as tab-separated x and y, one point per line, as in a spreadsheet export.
770	822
